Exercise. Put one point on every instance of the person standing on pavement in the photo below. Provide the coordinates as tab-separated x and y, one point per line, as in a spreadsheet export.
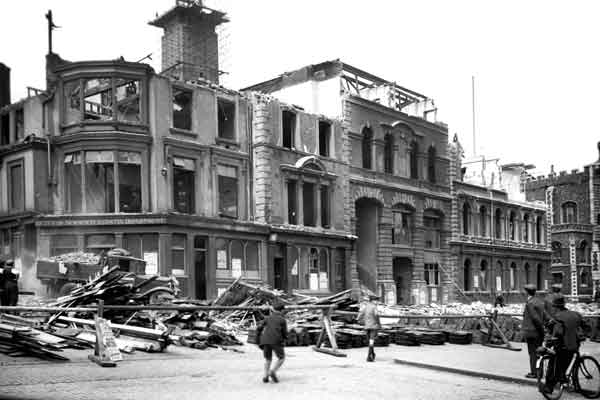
272	335
566	330
533	326
369	316
11	288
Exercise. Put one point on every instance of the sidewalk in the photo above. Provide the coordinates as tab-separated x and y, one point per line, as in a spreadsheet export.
477	360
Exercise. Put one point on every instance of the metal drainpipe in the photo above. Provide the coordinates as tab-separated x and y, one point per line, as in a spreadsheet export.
250	186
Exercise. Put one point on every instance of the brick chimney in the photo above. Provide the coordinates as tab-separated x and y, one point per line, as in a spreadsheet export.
190	44
4	85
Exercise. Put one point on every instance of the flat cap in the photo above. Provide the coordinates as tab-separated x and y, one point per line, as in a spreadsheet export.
530	286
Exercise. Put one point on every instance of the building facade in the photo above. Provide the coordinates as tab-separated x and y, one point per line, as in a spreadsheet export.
574	220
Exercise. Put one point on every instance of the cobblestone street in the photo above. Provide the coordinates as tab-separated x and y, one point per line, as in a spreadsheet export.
188	374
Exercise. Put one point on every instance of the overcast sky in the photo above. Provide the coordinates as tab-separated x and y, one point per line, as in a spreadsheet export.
536	63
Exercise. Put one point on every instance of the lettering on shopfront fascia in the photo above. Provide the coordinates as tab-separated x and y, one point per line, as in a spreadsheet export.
141	221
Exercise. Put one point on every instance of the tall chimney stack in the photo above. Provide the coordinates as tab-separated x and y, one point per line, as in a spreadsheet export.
190	45
4	85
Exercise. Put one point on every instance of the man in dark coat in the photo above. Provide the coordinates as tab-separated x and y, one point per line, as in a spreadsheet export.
566	330
11	288
554	293
533	326
272	336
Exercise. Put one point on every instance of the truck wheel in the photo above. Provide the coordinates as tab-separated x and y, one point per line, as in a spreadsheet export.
66	289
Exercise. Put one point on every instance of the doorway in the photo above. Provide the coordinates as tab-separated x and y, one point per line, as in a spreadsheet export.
278	273
402	276
200	267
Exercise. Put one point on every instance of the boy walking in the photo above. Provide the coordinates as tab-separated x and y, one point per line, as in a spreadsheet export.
370	317
273	333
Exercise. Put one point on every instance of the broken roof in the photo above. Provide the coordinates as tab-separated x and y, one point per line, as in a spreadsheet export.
354	80
189	8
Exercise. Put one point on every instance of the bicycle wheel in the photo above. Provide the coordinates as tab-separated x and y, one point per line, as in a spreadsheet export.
587	377
543	364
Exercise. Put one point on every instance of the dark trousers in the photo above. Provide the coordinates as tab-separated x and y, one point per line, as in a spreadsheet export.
532	345
10	295
558	366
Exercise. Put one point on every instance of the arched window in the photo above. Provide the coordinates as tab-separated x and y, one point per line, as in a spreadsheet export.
467	275
538	229
527	271
388	152
569	213
483	274
431	156
539	276
498	224
526	228
513	276
466	218
414	160
512	225
482	221
367	145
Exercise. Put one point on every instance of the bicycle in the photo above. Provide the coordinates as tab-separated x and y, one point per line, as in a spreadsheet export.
582	375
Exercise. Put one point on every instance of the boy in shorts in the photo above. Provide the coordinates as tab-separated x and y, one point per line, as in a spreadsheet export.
273	333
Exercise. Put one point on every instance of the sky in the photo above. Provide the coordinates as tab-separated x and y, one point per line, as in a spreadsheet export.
535	63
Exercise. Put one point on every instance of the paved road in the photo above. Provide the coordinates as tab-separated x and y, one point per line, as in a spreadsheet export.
215	374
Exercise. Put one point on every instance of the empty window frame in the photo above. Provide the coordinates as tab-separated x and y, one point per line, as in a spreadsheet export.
432	224
569	213
228	191
526	228
467	275
308	192
16	188
431	160
483	275
512	225
367	148
292	198
130	182
19	124
288	129
414	160
466	218
182	109
498	224
401	226
324	138
4	129
184	188
226	119
432	274
388	153
513	276
325	207
482	221
538	229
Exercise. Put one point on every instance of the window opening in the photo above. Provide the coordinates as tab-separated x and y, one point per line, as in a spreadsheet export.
308	192
367	145
288	128
184	177
292	202
226	119
228	191
182	109
324	138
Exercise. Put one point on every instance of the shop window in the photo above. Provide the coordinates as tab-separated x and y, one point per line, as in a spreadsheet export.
19	124
130	182
402	226
127	100
292	199
184	189
182	109
236	255
569	213
431	159
228	191
318	270
388	152
432	274
16	187
325	207
288	129
367	146
308	192
99	243
4	129
323	270
251	260
467	275
498	272
63	244
511	225
526	228
527	271
226	119
178	255
324	138
98	99
513	276
498	224
432	223
482	221
73	182
145	247
414	160
466	218
483	275
237	258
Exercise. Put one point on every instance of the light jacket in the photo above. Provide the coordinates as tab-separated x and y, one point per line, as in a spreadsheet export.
369	316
